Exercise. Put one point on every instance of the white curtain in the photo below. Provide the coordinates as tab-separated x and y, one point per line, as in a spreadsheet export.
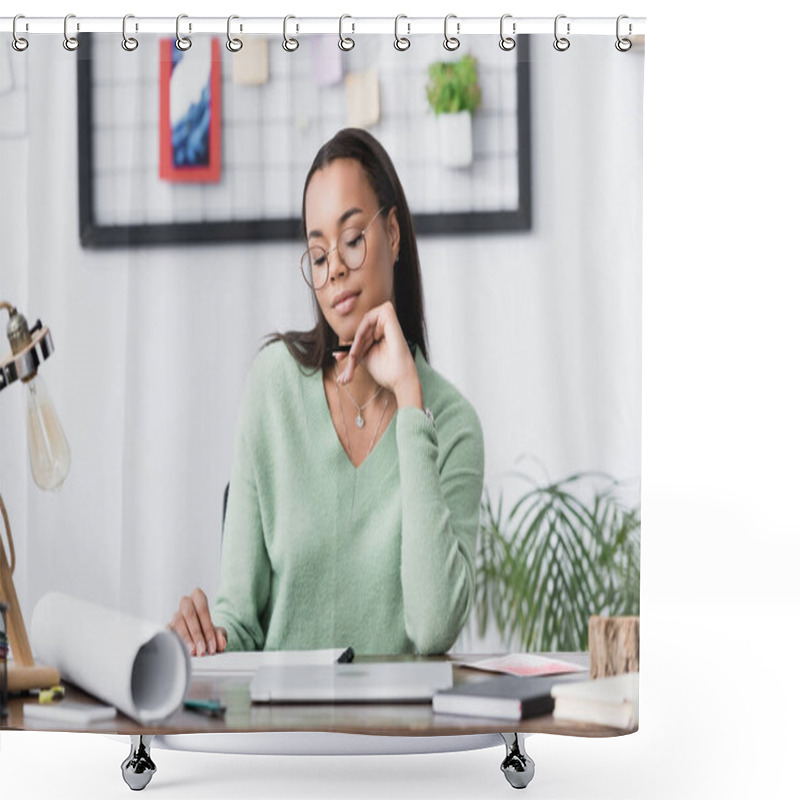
541	330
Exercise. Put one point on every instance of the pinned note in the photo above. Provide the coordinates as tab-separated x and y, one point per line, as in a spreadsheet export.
251	63
362	94
326	60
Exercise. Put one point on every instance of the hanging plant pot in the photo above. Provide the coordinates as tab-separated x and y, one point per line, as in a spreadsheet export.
455	139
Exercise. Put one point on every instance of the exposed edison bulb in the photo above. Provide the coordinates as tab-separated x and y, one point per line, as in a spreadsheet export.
47	445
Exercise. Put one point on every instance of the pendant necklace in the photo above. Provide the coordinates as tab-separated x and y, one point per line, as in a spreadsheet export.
360	408
344	424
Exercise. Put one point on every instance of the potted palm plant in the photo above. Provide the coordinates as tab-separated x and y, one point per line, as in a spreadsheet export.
555	559
453	94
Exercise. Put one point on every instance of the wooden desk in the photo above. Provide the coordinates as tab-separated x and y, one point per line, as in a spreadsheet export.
384	719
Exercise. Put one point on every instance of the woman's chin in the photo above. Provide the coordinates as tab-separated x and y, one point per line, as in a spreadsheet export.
347	333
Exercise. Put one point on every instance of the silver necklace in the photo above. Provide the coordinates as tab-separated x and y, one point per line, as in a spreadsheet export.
360	408
344	424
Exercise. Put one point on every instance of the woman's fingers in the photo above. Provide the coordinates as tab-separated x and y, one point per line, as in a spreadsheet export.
208	633
186	624
353	361
192	622
379	344
179	626
367	334
366	329
194	625
368	339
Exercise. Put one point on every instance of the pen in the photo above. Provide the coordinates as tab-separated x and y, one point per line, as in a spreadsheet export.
345	348
212	708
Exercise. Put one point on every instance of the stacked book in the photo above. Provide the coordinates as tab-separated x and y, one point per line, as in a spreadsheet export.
506	697
612	701
604	701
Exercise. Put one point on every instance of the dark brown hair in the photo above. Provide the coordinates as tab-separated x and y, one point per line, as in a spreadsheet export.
311	349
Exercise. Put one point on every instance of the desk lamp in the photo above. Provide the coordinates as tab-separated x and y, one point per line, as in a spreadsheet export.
49	459
3	662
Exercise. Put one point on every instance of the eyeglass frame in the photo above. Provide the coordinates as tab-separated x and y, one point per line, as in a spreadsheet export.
336	247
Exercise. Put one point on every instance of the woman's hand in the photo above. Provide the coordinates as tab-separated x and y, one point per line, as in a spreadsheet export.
192	622
380	346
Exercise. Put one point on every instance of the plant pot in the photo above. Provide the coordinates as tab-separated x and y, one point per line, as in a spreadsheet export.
455	139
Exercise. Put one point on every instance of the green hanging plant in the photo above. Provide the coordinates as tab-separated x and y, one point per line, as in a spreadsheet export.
554	561
453	86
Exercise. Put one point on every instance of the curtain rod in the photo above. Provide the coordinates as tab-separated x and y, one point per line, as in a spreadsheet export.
407	26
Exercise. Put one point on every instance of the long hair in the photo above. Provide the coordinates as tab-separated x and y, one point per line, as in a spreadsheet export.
311	348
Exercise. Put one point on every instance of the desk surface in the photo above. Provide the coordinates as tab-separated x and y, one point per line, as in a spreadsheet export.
392	719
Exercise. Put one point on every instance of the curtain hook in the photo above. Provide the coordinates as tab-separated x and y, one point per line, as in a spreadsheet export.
507	42
400	42
19	43
345	42
623	45
128	42
290	45
183	43
233	44
561	44
451	42
70	42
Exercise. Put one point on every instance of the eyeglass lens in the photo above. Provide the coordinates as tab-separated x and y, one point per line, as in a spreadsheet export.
352	250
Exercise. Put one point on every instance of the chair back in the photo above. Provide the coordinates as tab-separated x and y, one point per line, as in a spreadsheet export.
225	504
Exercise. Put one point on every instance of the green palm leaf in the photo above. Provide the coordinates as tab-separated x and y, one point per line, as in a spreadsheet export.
555	560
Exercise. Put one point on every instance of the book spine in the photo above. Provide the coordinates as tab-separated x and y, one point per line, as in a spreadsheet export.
535	706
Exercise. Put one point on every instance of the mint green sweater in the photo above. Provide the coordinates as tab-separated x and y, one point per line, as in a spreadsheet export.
318	553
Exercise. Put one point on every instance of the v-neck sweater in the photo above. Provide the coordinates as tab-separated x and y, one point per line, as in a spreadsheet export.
319	553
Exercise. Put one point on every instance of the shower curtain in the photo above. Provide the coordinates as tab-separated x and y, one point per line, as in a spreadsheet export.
151	204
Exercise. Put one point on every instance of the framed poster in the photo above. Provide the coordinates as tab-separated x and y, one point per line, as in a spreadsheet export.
190	112
137	188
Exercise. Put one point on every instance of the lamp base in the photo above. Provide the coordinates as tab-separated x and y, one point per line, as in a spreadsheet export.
21	679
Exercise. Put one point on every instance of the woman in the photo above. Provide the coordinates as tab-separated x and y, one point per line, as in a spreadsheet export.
354	498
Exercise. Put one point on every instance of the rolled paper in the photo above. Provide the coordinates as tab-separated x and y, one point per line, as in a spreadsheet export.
140	667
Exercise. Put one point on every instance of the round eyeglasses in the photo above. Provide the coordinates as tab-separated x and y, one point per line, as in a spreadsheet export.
351	247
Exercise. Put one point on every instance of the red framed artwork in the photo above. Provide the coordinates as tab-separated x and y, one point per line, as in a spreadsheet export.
190	112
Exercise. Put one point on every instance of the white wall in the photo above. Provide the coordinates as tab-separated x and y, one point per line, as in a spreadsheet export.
541	331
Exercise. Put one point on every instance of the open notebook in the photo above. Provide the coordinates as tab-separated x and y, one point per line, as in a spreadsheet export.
246	664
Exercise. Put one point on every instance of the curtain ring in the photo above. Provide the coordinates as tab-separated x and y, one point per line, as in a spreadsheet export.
451	42
233	44
128	42
183	43
507	42
561	44
18	43
289	45
70	42
400	42
623	45
345	42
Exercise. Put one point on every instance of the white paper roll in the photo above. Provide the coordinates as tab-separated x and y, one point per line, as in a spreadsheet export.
140	667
